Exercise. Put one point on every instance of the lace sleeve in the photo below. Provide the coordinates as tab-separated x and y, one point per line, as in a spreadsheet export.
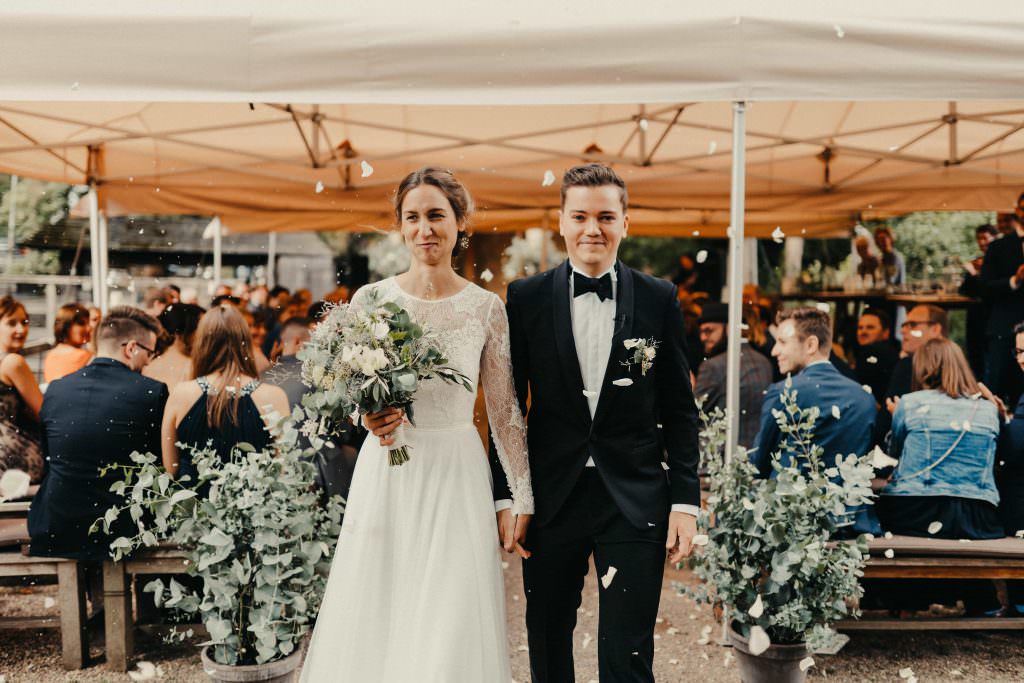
507	425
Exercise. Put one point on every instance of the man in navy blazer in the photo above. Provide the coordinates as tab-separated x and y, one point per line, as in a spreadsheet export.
847	411
91	419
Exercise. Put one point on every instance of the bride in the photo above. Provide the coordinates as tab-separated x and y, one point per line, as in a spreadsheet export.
416	591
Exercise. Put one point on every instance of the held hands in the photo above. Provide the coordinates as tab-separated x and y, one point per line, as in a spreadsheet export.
382	424
996	401
682	527
512	532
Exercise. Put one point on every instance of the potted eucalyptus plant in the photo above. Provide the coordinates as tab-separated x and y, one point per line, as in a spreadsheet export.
768	561
258	538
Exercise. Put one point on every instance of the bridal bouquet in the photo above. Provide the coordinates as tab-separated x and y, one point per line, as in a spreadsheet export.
366	359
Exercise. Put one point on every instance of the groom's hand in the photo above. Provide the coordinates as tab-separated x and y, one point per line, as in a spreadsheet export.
383	423
682	527
512	531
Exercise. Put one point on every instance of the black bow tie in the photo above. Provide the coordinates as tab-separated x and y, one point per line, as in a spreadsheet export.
602	286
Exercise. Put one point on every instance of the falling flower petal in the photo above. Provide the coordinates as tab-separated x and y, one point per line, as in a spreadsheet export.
367	169
487	275
712	146
700	539
823	307
702	256
866	388
705	636
624	382
890	554
880	459
806	663
935	527
146	671
778	235
49	602
840	33
609	576
888	534
590	394
872	359
319	187
956	672
835	412
643	123
906	673
967	425
673	662
549	178
759	640
14	484
757	609
672	630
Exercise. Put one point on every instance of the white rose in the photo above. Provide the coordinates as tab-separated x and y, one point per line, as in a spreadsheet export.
649	352
349	354
631	343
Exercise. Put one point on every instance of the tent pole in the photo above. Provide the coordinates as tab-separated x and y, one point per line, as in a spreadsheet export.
272	260
217	252
736	208
94	247
104	251
11	220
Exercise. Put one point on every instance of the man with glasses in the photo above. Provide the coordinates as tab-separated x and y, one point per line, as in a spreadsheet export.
91	419
923	322
1002	280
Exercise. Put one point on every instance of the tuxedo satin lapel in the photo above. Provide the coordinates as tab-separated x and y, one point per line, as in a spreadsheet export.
624	316
565	341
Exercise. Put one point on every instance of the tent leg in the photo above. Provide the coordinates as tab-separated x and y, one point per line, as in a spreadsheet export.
104	248
272	260
95	266
11	221
736	208
217	253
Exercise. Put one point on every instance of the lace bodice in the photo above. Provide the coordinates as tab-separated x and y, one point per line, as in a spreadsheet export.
472	329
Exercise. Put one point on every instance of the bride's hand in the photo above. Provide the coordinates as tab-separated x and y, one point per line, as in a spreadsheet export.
383	423
512	532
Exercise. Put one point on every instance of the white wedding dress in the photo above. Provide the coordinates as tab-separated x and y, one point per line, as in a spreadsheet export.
416	591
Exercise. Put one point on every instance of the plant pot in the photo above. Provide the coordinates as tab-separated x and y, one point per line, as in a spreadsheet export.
277	671
777	664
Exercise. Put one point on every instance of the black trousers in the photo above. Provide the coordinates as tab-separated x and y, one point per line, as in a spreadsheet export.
591	524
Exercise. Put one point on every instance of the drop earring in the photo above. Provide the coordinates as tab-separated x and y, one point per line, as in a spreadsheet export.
464	242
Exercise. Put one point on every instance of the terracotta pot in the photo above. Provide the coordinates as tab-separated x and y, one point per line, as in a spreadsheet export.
777	664
277	671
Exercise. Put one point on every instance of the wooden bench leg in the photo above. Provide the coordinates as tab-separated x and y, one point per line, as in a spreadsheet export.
74	637
117	610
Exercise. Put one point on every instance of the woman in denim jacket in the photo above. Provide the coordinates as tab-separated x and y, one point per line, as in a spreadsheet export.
944	435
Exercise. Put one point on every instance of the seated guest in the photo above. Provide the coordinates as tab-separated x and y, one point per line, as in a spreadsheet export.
156	299
174	365
944	436
71	336
755	372
875	355
91	419
1010	457
20	397
287	371
226	404
846	411
924	323
258	330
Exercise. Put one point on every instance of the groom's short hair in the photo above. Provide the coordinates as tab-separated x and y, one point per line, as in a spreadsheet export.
593	175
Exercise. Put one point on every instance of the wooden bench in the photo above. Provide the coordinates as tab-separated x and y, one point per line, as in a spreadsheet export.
117	597
930	558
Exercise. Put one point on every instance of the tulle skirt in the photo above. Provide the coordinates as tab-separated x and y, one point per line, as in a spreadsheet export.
416	591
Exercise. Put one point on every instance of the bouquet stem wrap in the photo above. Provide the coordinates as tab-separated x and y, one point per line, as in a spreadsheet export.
398	453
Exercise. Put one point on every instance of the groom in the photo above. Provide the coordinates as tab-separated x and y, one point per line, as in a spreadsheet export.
600	483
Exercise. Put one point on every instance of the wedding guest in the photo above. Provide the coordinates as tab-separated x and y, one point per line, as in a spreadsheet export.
944	436
91	419
755	372
258	331
892	265
286	372
71	335
20	398
226	404
1010	457
155	300
977	314
846	412
174	364
875	356
1002	274
924	323
174	294
318	311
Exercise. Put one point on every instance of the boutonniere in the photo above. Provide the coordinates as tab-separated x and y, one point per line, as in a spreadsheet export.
643	352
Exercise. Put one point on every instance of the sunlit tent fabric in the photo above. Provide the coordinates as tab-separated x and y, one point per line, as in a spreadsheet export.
859	109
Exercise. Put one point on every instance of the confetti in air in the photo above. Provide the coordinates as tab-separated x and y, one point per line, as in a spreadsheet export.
712	146
759	640
609	576
549	178
835	412
777	235
319	187
367	169
806	663
757	609
866	388
840	33
487	275
624	382
880	459
705	636
702	256
935	527
890	553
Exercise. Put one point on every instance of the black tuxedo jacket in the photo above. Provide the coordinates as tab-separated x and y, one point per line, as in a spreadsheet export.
92	418
623	436
1002	259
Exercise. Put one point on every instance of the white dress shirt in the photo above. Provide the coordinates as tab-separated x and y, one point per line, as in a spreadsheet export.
593	326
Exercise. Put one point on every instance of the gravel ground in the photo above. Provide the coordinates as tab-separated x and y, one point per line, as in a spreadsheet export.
950	657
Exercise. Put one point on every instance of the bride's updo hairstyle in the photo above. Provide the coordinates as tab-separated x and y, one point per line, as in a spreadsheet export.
454	191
